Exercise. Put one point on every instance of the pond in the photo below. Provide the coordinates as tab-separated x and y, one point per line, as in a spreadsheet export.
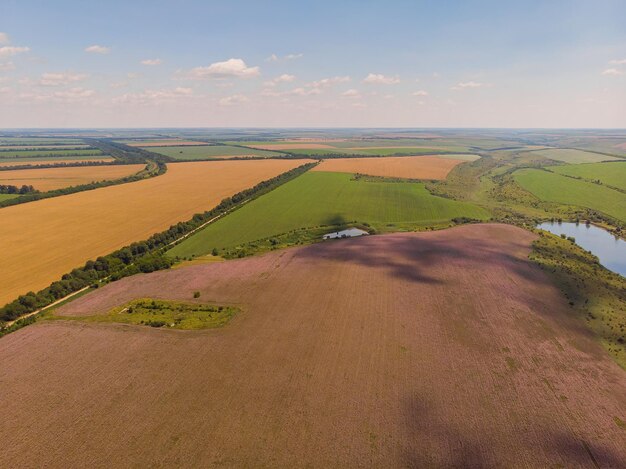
611	251
349	233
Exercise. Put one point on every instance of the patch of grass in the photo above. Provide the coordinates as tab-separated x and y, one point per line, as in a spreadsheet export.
51	152
318	199
610	173
567	155
204	152
8	196
165	314
595	294
553	187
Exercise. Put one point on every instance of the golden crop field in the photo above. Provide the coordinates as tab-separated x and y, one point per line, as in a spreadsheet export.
51	237
412	167
47	179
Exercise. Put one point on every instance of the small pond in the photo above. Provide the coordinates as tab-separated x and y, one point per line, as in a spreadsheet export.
611	251
349	233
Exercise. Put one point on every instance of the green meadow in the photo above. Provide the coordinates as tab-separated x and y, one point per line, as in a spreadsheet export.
203	152
610	173
323	198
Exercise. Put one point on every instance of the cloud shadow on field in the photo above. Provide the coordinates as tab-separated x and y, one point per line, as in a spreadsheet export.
436	441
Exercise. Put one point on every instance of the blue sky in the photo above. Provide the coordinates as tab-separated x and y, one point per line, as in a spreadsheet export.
349	63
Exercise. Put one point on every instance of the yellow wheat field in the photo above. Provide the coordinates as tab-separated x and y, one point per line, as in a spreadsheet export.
40	241
411	167
47	179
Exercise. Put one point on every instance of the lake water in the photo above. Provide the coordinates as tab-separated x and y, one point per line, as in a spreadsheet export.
611	251
349	233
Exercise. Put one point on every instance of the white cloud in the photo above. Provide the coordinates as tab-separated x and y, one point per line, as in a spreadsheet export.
380	79
420	93
467	84
6	66
10	51
57	79
151	62
233	100
284	78
304	91
154	96
4	38
351	93
74	93
618	62
612	71
275	58
96	49
327	82
229	68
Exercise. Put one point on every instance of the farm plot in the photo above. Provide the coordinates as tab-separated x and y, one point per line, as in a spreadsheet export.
210	151
574	156
45	153
612	174
48	238
553	187
52	160
438	349
322	198
162	143
417	167
47	179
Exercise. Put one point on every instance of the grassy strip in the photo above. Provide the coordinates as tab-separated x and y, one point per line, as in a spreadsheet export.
145	256
596	295
162	314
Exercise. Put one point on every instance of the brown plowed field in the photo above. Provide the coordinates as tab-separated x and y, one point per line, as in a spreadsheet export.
42	240
439	349
47	179
412	167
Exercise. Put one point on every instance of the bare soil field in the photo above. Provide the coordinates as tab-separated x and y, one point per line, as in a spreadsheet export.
47	179
437	349
412	167
165	143
51	237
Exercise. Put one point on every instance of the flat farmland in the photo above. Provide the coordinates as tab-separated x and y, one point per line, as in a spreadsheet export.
210	151
553	187
438	349
323	198
49	152
53	160
574	156
50	237
610	173
47	179
412	167
162	143
8	196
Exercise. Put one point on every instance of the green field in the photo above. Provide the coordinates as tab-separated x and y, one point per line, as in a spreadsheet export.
321	198
53	159
553	187
4	197
209	151
574	156
44	153
165	314
611	174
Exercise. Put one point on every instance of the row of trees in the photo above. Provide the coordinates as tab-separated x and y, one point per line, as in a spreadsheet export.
8	189
145	256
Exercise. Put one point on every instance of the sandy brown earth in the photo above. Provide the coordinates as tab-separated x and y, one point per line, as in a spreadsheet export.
47	179
50	237
439	349
412	167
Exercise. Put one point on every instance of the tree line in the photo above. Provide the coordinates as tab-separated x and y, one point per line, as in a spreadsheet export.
144	256
8	189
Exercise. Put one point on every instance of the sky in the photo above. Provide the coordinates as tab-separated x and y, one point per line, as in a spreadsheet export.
529	64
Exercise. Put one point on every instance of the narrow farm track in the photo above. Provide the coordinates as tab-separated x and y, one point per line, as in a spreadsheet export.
437	349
